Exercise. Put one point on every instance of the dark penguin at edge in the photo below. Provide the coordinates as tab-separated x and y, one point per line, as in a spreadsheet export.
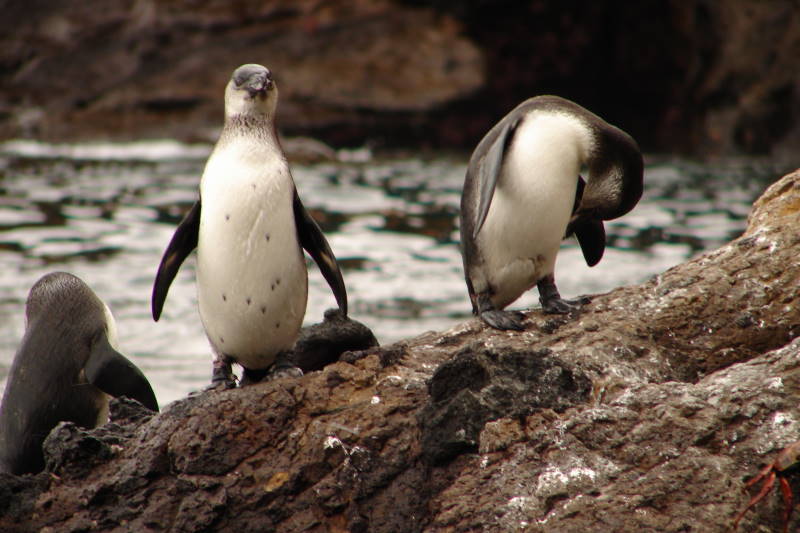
64	370
249	228
523	194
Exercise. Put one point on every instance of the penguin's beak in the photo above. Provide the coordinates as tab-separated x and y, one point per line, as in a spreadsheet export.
259	84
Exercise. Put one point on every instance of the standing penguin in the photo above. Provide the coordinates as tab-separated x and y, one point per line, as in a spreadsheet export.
523	195
64	370
252	283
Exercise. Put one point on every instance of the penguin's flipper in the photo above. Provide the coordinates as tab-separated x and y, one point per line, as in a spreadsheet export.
313	241
183	242
591	236
590	232
114	374
489	168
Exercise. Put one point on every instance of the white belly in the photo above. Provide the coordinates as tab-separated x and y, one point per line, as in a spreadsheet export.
532	204
252	282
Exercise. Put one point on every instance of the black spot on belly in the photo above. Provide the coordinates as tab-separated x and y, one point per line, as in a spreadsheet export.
224	298
277	325
278	281
263	309
272	287
227	217
222	340
267	237
248	301
253	185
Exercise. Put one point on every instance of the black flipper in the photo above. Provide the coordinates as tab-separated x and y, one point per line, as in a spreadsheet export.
313	241
183	242
590	232
591	236
489	171
114	374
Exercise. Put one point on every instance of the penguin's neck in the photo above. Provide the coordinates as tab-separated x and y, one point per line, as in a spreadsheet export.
250	134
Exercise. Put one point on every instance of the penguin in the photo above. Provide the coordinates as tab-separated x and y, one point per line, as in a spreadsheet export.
66	367
523	194
249	228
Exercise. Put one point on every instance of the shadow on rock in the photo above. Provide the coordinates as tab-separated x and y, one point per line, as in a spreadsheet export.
481	384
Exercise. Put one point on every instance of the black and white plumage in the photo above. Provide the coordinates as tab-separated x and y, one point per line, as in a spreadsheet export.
65	369
250	228
523	194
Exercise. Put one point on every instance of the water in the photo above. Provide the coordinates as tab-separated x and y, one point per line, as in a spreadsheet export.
105	212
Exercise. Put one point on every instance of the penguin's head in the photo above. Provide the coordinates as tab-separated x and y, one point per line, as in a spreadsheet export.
62	301
251	91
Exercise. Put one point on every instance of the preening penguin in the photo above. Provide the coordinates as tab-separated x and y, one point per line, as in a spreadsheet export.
64	370
523	194
249	227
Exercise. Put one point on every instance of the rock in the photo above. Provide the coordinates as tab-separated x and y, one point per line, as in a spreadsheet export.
322	344
705	78
648	410
480	384
161	69
71	447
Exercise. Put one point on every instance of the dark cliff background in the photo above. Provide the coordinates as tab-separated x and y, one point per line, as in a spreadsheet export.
694	77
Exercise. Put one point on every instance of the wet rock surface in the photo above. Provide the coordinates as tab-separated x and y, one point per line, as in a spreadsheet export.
648	410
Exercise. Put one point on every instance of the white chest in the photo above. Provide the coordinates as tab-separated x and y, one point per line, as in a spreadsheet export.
252	281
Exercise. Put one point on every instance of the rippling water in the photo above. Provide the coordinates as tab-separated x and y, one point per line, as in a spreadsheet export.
105	212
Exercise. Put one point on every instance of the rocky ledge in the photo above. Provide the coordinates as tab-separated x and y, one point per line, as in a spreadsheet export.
647	411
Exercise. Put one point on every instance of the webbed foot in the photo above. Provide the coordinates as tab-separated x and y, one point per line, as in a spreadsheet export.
551	300
284	367
222	377
504	320
560	306
497	318
285	371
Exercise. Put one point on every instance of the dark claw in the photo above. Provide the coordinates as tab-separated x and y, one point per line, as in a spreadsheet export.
504	320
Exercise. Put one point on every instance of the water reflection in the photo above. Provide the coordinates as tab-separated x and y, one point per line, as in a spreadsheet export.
106	212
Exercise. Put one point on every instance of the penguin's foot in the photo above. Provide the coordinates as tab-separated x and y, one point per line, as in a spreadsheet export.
222	377
497	318
560	306
504	320
551	300
222	384
284	367
285	371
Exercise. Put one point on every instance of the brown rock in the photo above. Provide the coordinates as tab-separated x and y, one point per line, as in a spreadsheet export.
705	78
651	419
159	68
